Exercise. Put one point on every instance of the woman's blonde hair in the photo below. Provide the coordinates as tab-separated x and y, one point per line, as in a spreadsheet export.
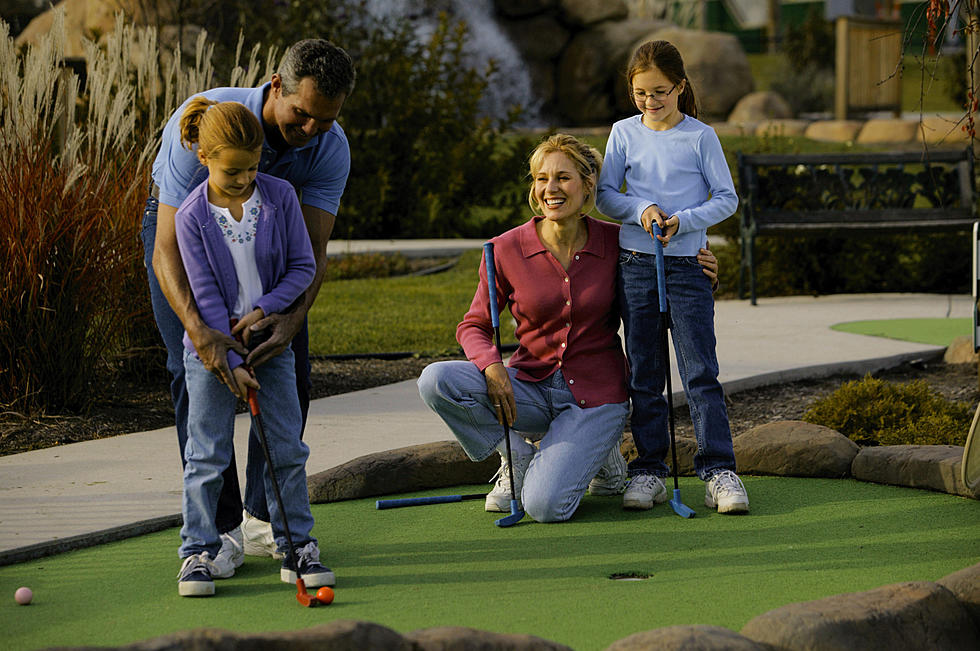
214	126
585	157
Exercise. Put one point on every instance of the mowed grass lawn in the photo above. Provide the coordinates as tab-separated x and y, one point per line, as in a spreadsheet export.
415	314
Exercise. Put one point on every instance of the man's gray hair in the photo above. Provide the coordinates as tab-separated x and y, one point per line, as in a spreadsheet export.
330	67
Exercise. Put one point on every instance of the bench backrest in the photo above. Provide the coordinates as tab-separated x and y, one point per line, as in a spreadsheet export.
856	191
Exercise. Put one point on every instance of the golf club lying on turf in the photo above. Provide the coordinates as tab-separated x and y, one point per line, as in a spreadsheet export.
679	507
423	501
515	510
302	596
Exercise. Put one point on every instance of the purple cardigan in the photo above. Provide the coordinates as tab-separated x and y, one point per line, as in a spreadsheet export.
283	254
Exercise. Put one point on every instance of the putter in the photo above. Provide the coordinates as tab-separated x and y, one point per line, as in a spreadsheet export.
423	501
515	510
302	596
675	503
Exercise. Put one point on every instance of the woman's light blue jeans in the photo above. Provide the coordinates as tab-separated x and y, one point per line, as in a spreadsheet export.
691	309
574	443
210	448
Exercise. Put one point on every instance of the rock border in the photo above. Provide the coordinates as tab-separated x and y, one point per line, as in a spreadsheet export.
937	615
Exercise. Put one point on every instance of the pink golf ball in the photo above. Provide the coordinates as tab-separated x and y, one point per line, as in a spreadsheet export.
23	596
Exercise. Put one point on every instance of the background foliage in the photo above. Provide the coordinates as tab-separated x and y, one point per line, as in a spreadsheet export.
872	411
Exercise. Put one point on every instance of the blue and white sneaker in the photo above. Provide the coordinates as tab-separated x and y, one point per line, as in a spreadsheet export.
314	575
194	578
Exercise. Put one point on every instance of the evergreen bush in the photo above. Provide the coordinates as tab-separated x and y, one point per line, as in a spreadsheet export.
872	411
424	161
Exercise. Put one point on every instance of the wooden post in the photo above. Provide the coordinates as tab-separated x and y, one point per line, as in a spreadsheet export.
842	52
867	58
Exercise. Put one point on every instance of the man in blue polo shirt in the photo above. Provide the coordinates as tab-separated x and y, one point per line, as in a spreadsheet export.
304	145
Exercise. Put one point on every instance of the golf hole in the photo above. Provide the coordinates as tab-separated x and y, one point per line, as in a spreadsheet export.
630	576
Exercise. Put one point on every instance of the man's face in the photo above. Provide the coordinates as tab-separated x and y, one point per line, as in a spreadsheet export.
303	114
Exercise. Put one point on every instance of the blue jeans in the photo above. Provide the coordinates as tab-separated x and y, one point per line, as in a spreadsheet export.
691	311
575	442
210	448
229	511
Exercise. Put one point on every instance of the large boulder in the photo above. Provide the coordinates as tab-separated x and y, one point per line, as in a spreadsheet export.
338	635
936	467
834	130
887	130
758	106
591	71
686	638
916	615
961	351
794	448
716	65
590	12
521	8
965	585
460	638
539	38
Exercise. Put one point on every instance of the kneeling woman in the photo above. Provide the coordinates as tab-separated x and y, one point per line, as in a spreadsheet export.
566	383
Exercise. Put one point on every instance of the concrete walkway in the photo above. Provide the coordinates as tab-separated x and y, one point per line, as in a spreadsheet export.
84	493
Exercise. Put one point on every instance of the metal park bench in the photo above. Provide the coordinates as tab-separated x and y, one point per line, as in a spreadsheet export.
851	192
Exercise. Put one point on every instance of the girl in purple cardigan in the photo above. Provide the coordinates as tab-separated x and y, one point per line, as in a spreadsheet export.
247	254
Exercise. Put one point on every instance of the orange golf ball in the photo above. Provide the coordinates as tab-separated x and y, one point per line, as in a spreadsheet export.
324	595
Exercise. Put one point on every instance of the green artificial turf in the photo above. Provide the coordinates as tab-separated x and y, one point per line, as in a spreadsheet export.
448	565
936	332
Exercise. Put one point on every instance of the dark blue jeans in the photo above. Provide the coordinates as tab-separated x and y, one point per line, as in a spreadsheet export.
691	313
229	511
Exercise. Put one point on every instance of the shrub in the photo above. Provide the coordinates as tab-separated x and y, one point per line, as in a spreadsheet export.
806	74
424	161
871	411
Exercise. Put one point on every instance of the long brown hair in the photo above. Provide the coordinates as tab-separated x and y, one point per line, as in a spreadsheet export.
663	56
214	126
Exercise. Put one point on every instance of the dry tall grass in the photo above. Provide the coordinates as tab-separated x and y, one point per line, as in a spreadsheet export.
74	169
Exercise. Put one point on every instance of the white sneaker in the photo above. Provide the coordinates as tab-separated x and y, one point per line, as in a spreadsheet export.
726	492
230	556
498	499
258	538
644	491
611	478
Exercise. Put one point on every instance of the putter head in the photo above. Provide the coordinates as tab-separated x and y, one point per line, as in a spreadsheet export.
303	597
679	506
516	515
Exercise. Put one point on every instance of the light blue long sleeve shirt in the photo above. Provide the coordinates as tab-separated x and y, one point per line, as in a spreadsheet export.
682	170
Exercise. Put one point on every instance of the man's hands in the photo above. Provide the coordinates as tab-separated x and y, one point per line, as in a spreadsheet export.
668	225
281	330
501	393
212	348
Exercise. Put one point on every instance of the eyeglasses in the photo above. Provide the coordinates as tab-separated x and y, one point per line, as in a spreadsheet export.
658	95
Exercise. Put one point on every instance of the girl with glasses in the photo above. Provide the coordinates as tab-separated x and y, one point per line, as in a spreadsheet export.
676	177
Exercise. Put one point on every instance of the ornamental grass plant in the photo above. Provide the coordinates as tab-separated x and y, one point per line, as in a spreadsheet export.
74	170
